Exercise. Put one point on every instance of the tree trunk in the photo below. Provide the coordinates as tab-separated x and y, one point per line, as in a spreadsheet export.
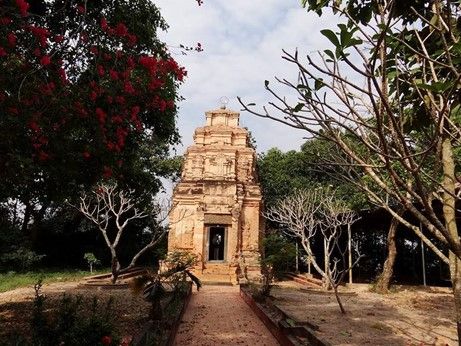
384	279
455	273
349	252
145	249
26	219
115	268
338	299
37	216
449	213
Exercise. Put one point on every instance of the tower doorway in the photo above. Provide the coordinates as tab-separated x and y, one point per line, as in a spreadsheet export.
216	243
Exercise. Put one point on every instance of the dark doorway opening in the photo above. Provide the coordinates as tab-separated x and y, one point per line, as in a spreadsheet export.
216	243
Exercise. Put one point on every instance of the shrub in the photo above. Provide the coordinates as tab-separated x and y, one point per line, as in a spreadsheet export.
71	326
22	258
280	254
91	260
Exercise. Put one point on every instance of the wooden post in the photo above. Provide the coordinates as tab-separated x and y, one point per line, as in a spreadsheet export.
349	246
297	261
423	257
325	255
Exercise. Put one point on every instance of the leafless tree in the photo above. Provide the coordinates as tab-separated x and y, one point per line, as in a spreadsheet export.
306	212
334	217
108	204
157	230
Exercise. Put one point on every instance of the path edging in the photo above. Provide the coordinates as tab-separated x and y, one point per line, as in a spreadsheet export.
284	332
139	340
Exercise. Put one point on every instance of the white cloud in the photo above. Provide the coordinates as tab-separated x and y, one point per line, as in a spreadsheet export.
243	42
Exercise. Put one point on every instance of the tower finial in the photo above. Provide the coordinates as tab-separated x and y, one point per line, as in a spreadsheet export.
224	101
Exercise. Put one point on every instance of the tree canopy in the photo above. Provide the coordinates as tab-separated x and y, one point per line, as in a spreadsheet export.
87	92
282	173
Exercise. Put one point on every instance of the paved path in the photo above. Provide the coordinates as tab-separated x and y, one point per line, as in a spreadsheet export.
217	315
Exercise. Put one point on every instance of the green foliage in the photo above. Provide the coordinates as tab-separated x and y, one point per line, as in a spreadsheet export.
280	173
21	258
279	253
363	10
179	260
70	325
313	166
91	260
341	40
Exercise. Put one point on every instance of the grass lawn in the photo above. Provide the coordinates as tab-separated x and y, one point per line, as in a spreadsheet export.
12	280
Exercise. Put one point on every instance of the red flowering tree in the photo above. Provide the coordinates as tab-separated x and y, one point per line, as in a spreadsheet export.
87	91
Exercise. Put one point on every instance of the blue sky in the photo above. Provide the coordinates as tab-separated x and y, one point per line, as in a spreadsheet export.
243	42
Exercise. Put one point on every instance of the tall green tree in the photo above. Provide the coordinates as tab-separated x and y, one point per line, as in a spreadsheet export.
281	173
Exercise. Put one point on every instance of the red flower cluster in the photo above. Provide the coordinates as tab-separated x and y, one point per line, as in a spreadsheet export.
5	20
101	115
101	70
113	74
40	33
118	95
23	7
45	60
119	30
12	39
107	173
48	88
103	23
58	38
170	65
106	340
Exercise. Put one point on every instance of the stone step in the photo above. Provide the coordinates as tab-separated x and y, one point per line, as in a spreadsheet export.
213	265
305	280
103	285
217	269
208	279
127	274
217	272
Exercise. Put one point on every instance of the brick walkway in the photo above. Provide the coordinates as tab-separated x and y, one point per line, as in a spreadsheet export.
217	315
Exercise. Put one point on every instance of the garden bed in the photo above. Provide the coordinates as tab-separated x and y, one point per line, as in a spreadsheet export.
130	312
164	333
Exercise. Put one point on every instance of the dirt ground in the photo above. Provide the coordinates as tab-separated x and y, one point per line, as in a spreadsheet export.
409	316
130	311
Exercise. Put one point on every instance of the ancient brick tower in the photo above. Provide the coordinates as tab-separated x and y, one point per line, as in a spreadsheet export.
217	204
